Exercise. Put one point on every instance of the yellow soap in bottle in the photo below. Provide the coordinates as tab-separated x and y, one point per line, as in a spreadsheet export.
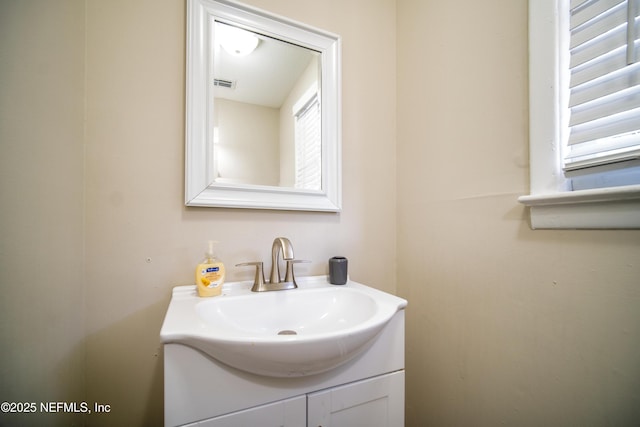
210	274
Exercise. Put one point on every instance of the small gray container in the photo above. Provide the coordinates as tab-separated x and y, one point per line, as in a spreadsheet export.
338	270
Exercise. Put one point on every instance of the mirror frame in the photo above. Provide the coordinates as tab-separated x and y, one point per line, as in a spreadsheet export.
200	186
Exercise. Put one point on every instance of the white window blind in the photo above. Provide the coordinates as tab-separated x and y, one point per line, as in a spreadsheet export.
308	146
604	83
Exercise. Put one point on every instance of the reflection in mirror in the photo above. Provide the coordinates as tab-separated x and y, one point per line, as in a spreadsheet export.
263	115
266	111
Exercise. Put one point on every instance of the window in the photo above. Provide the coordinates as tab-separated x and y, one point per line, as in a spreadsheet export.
308	144
584	113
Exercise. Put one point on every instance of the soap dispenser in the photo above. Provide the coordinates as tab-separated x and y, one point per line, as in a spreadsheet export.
210	274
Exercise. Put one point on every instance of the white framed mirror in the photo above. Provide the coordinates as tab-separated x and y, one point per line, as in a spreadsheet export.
263	110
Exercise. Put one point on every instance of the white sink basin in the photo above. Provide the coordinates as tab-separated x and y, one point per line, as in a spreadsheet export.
297	332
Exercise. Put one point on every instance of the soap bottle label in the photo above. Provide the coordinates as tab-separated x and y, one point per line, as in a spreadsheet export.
209	279
211	276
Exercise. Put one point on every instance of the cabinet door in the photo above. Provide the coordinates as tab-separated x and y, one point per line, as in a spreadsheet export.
376	402
286	413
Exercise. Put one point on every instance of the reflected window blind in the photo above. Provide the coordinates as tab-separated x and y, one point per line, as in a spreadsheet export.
604	92
308	146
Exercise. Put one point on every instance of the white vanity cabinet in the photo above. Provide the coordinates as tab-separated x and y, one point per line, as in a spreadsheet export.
366	391
375	402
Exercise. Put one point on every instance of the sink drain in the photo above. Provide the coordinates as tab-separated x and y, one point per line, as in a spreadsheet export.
287	332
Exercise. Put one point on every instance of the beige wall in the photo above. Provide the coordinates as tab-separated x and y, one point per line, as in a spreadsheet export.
248	151
41	205
93	176
505	325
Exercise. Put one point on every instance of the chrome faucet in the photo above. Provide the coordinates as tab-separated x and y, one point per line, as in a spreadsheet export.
275	283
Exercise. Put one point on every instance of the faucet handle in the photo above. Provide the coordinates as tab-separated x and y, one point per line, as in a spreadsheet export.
289	276
258	281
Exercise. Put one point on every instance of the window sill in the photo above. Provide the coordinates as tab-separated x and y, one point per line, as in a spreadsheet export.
602	208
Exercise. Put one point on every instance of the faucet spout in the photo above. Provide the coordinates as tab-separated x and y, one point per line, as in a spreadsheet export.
280	244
